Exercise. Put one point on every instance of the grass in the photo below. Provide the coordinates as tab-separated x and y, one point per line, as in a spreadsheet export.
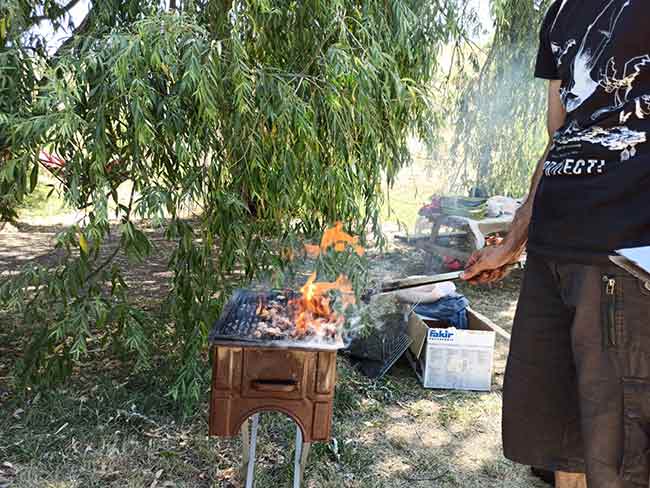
412	189
44	201
111	427
121	431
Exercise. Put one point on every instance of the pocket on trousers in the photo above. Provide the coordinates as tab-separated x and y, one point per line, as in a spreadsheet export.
633	318
636	407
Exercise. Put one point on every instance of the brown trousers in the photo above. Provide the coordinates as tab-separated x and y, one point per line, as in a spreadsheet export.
577	384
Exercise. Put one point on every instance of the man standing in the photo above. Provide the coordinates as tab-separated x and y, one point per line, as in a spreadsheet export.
577	386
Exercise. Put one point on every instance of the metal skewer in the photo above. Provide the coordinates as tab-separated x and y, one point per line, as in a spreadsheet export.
408	283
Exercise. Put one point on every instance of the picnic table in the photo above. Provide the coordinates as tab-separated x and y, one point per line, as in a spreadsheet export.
474	231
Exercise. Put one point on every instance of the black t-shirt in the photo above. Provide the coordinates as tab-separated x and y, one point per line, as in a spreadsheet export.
594	195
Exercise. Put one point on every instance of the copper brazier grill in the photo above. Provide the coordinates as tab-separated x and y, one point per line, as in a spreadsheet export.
253	374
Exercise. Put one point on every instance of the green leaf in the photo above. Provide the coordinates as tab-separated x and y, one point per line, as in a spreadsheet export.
33	178
290	121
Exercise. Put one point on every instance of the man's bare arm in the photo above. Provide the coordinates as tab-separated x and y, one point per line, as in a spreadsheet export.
489	264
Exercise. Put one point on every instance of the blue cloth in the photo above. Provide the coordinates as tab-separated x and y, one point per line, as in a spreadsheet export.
451	309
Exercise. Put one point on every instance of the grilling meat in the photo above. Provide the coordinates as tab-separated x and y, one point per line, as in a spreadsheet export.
276	320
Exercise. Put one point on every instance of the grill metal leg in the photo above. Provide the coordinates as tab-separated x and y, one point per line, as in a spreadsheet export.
297	472
249	445
245	446
249	456
300	460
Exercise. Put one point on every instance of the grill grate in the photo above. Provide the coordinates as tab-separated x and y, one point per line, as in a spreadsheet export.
378	352
377	369
238	324
239	318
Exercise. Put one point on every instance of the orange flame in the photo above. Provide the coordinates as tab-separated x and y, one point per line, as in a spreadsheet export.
337	238
313	310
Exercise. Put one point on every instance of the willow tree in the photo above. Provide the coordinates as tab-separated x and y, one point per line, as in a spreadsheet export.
499	122
270	118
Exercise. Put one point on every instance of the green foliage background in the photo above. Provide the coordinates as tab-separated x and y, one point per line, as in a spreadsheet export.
239	127
268	119
498	119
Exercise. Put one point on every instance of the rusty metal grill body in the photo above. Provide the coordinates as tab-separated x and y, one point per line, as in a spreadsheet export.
253	374
249	380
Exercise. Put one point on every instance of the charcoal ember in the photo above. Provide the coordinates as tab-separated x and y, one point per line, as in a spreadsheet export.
310	332
283	323
330	330
274	332
278	317
268	330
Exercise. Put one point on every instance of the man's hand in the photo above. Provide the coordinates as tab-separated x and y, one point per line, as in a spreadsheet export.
489	265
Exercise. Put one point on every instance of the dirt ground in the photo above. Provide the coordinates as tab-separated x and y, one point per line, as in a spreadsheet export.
110	427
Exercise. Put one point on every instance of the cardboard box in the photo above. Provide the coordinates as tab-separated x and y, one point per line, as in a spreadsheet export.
449	358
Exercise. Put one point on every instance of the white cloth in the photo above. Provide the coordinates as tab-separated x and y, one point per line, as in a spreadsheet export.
426	294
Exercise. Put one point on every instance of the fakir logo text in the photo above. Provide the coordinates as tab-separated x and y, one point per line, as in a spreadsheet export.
442	335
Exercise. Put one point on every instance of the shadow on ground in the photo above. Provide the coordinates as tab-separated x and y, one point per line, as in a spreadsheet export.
35	245
111	427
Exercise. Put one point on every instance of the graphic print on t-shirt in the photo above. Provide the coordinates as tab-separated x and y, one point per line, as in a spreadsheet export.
589	54
593	197
601	76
